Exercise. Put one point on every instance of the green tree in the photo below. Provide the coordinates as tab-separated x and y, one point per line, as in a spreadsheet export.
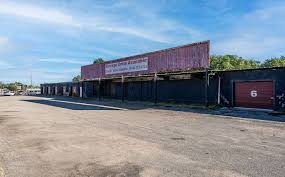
11	87
274	62
76	78
231	62
2	85
18	83
98	61
33	86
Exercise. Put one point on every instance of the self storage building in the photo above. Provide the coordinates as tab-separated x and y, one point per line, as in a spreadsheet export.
177	74
251	88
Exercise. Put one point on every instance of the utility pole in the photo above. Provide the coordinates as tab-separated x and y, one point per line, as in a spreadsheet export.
31	79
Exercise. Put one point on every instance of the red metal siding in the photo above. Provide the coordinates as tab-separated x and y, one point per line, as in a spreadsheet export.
185	57
254	94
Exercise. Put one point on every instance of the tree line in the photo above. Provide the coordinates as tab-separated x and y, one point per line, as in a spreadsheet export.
11	86
234	62
15	86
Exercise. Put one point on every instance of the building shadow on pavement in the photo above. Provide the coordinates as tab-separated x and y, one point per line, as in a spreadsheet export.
92	104
70	105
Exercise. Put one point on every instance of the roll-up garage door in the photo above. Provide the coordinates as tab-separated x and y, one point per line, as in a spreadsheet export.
254	94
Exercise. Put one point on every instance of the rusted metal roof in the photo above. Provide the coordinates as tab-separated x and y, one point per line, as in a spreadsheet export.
185	57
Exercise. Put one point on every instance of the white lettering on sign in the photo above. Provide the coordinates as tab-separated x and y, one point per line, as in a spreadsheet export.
140	64
253	93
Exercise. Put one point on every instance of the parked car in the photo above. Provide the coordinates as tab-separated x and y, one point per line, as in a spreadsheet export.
33	92
8	93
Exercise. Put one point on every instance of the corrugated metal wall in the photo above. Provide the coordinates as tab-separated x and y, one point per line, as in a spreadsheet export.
179	58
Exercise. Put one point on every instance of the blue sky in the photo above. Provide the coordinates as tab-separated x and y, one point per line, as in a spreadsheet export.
52	39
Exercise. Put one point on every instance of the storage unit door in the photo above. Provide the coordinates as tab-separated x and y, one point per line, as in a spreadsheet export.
257	94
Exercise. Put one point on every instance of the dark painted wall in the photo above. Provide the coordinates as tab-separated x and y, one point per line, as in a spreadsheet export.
188	91
88	89
60	91
276	75
184	90
191	91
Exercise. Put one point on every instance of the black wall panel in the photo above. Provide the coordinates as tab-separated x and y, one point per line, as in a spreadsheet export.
276	75
186	90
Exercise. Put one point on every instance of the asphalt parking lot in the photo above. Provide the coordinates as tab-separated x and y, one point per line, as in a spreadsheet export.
44	137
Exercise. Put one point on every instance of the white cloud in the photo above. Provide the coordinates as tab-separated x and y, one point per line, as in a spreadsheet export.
4	44
3	41
258	34
5	65
66	61
149	26
37	13
250	46
58	17
109	52
136	32
40	75
218	8
48	76
268	13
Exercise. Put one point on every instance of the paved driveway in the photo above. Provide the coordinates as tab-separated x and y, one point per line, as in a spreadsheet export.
63	137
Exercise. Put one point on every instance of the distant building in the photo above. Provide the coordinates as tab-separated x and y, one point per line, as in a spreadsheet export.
2	91
23	88
18	88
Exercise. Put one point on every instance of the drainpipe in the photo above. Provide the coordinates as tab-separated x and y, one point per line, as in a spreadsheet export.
81	89
155	88
219	90
123	90
206	87
99	89
141	92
